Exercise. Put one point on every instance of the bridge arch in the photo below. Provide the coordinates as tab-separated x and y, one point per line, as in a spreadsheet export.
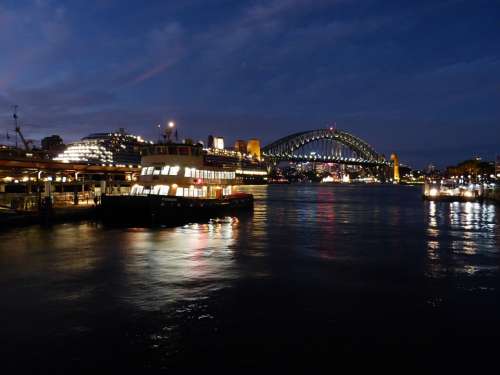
283	148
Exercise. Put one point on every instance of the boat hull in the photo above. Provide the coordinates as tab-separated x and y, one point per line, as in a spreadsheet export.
153	210
451	198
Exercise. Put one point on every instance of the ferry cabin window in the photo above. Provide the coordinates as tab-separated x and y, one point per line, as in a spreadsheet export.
145	191
164	189
189	172
150	170
174	171
156	172
143	171
195	192
164	170
156	190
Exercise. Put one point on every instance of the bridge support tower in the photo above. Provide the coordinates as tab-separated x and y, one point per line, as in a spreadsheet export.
395	168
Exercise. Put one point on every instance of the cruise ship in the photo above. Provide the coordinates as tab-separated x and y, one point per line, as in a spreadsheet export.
176	185
113	148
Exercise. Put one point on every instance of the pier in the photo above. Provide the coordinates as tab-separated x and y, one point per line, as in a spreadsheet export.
73	190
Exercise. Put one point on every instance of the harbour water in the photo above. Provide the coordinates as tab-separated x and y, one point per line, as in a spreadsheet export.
316	275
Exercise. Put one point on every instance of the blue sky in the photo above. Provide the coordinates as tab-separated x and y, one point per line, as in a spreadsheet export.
418	78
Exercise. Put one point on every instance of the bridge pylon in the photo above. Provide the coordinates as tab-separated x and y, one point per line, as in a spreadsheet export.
395	168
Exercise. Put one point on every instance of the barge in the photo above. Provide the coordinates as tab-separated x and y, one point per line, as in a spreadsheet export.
176	186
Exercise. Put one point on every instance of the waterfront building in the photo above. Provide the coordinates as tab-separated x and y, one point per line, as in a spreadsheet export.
53	145
240	146
118	148
216	142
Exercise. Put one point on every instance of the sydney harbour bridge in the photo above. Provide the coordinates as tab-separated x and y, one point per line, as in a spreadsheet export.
330	145
324	145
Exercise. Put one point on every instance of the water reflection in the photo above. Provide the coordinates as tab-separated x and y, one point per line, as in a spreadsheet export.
461	238
180	263
328	257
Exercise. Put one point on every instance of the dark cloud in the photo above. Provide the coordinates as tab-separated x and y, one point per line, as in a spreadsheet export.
411	77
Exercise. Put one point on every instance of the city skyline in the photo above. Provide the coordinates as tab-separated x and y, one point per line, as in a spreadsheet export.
418	79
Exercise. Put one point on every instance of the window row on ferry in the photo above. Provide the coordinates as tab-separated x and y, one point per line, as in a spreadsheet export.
165	171
207	174
188	172
192	191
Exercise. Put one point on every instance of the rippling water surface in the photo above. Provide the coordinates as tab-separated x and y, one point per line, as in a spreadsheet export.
315	275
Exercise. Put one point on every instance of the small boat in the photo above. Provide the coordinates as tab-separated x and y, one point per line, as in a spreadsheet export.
176	186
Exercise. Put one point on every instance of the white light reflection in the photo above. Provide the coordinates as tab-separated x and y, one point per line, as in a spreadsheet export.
432	233
179	264
466	243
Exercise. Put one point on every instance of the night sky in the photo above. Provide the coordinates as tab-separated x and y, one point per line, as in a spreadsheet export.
418	78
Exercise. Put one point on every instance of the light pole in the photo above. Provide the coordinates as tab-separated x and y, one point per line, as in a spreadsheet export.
168	130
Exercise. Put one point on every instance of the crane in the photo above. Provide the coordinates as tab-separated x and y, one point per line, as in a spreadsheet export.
18	129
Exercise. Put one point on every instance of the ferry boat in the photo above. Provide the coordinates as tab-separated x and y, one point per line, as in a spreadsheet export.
175	186
451	191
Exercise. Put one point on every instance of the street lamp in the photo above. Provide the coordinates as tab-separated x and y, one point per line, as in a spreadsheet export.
168	130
